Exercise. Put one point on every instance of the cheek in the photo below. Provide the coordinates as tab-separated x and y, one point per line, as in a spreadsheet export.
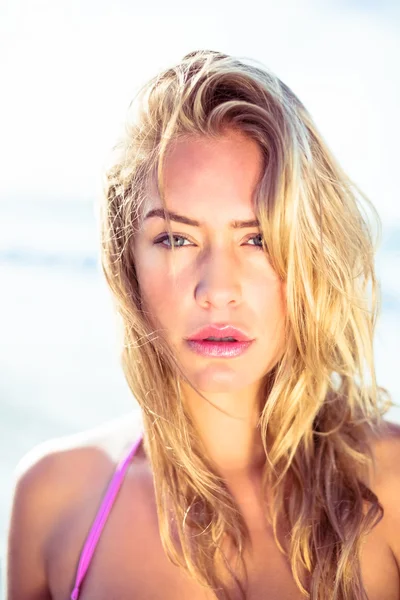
268	302
159	293
164	284
268	294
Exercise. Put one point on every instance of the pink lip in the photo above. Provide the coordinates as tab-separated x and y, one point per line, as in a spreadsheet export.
218	349
219	330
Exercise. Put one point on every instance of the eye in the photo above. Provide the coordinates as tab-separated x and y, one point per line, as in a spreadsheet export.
160	241
258	238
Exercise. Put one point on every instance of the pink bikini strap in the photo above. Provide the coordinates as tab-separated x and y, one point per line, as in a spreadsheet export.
101	518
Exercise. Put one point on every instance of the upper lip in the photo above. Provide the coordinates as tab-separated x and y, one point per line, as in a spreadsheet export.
219	330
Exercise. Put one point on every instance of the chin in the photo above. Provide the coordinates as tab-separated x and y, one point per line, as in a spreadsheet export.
220	378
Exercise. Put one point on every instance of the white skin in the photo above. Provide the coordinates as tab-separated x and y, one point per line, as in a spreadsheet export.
220	274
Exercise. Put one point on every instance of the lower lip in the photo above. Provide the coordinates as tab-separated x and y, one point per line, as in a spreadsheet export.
219	349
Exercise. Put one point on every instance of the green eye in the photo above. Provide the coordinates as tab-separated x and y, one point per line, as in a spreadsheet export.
160	241
258	237
179	241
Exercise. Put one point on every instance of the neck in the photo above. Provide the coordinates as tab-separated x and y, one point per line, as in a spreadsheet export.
227	426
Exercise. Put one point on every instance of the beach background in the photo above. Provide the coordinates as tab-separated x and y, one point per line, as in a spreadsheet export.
70	71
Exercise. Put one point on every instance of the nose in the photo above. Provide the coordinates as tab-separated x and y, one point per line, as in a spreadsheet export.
219	282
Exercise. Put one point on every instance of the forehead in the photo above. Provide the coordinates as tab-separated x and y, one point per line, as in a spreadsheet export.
211	178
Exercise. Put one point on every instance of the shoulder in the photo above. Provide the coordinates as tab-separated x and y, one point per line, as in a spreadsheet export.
386	451
386	482
50	483
54	469
61	464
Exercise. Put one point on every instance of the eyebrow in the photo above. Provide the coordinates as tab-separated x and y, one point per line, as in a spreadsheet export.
160	212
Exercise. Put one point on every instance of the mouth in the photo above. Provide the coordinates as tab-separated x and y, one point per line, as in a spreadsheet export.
216	339
220	333
219	348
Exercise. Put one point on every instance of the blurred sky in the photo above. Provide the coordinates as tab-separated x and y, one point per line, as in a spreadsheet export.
70	69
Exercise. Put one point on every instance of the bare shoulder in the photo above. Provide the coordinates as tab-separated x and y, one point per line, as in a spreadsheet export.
51	481
58	467
386	450
110	439
386	482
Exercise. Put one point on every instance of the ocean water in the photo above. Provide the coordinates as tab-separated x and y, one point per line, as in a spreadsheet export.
59	359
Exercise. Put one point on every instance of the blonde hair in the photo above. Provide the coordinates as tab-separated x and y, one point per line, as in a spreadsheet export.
317	406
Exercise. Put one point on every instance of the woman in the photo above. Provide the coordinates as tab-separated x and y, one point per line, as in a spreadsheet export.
239	260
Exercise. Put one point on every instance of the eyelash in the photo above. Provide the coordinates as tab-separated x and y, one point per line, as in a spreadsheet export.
160	241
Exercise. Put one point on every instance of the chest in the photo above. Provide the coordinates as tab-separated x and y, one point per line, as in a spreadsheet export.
130	566
130	563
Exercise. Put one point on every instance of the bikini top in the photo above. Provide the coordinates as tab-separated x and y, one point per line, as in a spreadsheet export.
101	518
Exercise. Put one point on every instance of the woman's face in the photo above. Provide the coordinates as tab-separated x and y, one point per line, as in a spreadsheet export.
218	274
